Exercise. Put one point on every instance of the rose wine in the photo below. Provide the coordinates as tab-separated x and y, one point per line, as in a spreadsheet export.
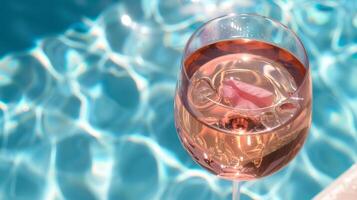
243	111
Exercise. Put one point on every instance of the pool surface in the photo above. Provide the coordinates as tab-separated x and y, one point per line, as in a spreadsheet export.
88	114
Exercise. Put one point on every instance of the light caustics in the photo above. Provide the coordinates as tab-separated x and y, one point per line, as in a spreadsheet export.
93	105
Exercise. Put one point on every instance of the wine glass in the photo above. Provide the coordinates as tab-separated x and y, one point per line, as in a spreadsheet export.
243	97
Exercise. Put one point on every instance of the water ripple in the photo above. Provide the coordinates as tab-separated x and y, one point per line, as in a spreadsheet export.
89	114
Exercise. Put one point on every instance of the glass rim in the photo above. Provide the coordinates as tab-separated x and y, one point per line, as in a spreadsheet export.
232	15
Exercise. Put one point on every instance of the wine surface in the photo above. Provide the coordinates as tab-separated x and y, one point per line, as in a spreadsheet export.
240	112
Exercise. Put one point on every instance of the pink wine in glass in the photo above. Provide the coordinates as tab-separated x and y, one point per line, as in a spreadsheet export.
239	112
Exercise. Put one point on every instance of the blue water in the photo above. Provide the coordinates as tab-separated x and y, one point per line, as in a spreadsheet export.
88	114
22	22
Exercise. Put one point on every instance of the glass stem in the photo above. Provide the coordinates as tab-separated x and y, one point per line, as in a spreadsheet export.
236	190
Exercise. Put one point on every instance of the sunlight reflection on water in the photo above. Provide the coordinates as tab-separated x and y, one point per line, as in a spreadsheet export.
89	114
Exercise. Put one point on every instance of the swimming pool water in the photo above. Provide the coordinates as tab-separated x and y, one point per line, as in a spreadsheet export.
88	114
23	22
